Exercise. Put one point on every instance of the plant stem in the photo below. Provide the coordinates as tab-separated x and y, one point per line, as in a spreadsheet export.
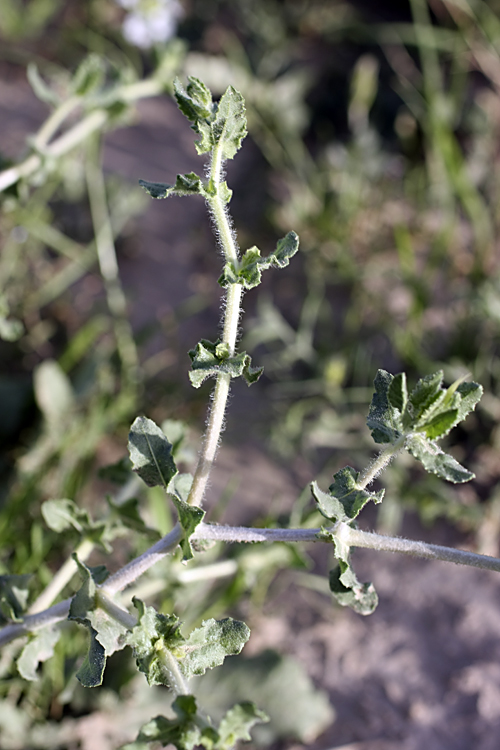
127	575
108	263
234	293
383	459
352	537
176	680
117	613
369	540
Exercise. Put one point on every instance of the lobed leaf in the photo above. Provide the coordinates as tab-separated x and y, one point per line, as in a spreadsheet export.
185	184
249	272
436	461
384	419
220	125
344	584
349	592
429	413
427	391
208	645
150	638
39	648
230	125
344	499
106	634
210	359
237	722
14	594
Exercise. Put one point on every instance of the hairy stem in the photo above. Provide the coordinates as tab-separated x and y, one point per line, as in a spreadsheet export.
352	537
232	308
379	464
176	680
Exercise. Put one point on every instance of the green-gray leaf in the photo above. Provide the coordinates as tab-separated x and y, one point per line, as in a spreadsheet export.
436	461
230	125
383	417
154	634
208	645
425	393
349	592
106	634
185	184
236	724
62	515
344	499
189	516
151	453
189	730
250	268
39	648
14	594
209	360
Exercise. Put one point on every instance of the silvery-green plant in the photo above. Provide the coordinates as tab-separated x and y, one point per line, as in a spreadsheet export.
399	419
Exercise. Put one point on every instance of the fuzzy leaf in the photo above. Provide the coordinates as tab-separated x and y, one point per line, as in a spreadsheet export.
185	184
250	268
383	418
349	592
106	634
208	645
441	424
425	393
221	125
39	648
62	515
150	638
470	394
13	597
237	722
209	360
397	393
230	125
151	453
437	461
344	500
189	516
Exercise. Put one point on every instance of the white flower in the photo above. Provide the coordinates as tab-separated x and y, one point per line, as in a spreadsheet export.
150	21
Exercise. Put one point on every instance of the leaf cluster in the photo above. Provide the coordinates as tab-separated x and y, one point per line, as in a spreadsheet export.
209	359
417	420
248	273
189	730
342	504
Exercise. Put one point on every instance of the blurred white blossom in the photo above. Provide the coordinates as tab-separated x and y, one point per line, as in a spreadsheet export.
150	21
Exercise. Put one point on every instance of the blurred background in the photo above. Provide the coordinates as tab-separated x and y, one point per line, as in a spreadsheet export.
374	134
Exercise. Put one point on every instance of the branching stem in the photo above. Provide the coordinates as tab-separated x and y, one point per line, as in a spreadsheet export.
352	537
